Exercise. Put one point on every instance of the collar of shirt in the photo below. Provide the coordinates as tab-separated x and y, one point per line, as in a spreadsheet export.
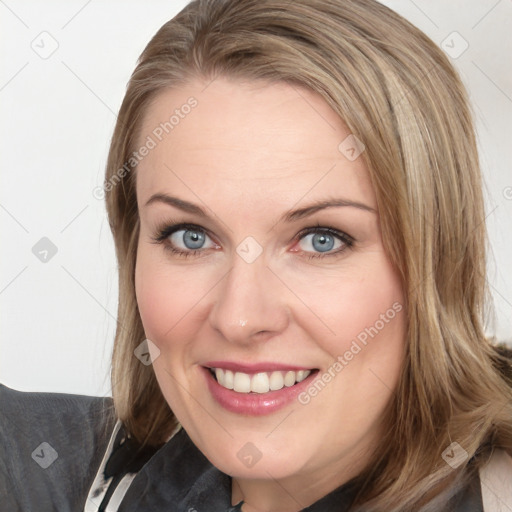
178	474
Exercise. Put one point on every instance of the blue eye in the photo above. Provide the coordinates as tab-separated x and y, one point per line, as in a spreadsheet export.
191	239
323	240
182	239
185	240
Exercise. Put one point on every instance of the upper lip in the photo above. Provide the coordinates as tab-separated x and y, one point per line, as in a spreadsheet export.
254	367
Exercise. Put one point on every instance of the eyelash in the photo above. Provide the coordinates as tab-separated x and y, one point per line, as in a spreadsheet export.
164	232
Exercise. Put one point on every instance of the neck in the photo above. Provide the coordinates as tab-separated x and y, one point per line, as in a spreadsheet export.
291	494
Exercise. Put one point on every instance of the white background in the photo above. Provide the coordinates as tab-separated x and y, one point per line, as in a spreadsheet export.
58	318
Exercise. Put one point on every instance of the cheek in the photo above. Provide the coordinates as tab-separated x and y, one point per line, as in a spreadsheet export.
366	312
353	303
168	298
159	304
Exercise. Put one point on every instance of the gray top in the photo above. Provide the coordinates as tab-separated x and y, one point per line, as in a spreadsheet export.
51	446
51	459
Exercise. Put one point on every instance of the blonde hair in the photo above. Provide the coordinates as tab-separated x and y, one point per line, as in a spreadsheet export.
398	93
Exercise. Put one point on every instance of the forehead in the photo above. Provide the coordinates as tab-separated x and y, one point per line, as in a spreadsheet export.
249	141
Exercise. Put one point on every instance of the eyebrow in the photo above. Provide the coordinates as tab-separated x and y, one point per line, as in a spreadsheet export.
291	216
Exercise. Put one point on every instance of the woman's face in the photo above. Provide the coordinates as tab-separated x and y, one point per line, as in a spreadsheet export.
270	285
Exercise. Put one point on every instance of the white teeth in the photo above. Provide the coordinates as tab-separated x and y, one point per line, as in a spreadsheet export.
301	375
276	381
289	379
229	379
262	382
242	382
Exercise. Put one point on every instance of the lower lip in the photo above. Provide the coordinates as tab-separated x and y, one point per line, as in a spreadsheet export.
255	404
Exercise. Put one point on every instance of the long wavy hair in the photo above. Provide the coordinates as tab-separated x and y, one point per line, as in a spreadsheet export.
398	93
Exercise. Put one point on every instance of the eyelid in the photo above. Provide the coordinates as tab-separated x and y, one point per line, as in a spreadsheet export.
345	237
165	230
347	241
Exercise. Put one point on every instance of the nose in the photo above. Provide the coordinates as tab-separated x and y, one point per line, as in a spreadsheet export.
250	304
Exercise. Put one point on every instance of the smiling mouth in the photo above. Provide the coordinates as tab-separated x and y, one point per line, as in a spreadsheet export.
262	382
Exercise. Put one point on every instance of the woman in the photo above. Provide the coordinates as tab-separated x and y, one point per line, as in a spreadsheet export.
295	198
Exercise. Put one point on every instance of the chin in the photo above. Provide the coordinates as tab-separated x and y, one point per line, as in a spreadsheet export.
257	460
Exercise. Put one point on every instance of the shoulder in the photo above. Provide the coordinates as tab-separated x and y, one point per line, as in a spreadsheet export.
51	445
42	405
